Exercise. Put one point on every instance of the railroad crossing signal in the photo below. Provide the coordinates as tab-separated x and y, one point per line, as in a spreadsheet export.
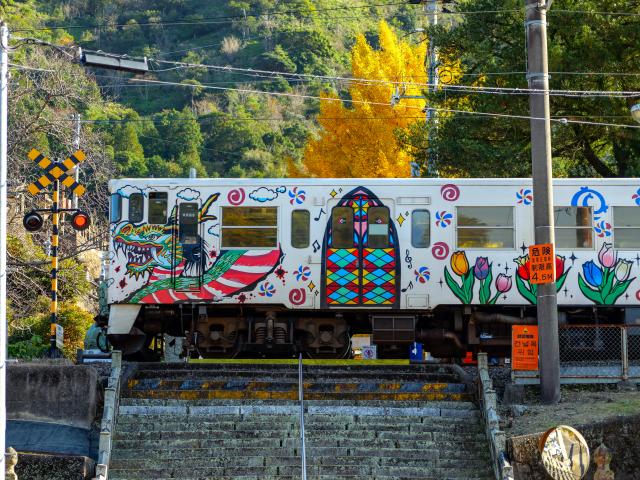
56	171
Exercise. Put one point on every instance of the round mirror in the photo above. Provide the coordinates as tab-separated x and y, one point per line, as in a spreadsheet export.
565	453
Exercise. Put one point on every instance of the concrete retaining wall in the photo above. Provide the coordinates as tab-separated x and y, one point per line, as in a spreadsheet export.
53	467
621	435
62	394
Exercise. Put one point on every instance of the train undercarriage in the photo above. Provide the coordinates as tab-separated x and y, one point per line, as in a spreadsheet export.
218	332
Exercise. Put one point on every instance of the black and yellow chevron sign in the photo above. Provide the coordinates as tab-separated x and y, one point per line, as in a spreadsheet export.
56	171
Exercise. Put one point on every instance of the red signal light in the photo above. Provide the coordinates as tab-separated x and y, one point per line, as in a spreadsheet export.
32	221
80	221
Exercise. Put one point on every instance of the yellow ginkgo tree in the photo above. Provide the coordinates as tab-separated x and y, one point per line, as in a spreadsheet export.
360	140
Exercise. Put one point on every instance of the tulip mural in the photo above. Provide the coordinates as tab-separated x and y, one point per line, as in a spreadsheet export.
482	271
523	276
606	282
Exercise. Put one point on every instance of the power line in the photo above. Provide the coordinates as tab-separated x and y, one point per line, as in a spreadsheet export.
440	86
465	112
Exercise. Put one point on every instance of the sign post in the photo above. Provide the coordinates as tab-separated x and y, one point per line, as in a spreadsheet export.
55	173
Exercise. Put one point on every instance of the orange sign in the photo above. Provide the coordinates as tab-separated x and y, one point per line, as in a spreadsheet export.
543	263
524	347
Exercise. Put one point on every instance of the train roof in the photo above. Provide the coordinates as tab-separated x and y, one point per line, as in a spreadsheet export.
235	182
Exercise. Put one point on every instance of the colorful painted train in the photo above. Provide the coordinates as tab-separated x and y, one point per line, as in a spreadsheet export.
279	266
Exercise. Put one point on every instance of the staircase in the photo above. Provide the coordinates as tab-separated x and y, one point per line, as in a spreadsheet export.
240	421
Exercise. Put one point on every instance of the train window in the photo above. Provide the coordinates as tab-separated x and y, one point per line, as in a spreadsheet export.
249	227
378	226
116	208
420	228
342	227
188	223
300	226
158	202
573	227
626	227
136	207
485	227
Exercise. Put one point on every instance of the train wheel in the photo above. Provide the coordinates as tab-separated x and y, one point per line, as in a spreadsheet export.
341	353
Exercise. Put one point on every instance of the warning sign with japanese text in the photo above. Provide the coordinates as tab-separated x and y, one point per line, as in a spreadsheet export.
524	347
543	263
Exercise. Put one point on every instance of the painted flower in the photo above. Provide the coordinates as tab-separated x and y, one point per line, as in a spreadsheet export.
559	266
443	219
481	268
524	267
303	273
525	195
422	274
459	263
623	270
607	255
267	289
503	283
592	273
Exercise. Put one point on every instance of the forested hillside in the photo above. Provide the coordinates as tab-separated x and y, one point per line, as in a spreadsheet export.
163	130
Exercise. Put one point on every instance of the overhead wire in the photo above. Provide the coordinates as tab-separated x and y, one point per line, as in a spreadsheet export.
406	83
465	112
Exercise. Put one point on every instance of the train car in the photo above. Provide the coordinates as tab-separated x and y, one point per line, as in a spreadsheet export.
280	266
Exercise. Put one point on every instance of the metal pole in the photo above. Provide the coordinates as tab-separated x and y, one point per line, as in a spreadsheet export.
431	9
55	220
538	77
4	118
303	451
76	145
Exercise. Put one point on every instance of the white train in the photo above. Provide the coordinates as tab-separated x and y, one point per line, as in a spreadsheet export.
299	265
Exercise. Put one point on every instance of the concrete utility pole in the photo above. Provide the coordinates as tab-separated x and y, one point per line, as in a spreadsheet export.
4	118
538	77
431	9
76	146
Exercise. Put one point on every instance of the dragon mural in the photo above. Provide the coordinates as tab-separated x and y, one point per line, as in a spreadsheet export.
177	272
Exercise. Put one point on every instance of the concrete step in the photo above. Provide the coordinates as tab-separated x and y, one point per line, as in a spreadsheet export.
128	423
429	460
286	386
118	475
245	404
295	471
397	444
342	367
293	395
128	449
313	376
335	431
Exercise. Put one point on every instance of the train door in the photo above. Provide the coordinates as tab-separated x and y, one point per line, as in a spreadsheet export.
188	248
360	265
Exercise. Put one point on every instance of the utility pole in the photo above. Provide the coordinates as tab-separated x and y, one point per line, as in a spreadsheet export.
76	146
4	119
431	10
547	305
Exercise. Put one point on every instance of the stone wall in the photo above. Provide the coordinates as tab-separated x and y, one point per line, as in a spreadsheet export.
620	434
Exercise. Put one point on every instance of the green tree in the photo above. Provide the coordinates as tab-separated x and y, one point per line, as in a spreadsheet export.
469	145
